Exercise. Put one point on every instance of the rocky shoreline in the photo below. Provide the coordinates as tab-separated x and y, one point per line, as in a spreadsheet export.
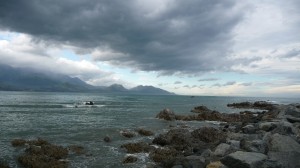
269	138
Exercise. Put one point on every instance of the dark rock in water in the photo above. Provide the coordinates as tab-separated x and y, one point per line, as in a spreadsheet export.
130	159
166	114
161	140
137	147
179	139
18	142
3	164
200	109
127	134
43	154
209	135
263	105
241	105
38	142
241	159
107	139
22	142
165	154
285	159
145	132
76	149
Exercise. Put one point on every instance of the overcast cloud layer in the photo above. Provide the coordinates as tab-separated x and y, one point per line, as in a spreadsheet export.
170	36
195	38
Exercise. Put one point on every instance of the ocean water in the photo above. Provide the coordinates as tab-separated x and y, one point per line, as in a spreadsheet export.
53	117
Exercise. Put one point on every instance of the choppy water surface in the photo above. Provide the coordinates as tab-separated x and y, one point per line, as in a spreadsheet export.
53	116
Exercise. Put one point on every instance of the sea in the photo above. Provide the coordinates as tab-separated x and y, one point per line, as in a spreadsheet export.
63	119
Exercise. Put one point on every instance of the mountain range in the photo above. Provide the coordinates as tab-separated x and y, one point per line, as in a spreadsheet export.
25	79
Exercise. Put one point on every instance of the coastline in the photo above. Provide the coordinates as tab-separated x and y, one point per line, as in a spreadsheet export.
266	139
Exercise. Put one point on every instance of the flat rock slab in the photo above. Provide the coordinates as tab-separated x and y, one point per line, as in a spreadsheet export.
282	143
286	159
242	159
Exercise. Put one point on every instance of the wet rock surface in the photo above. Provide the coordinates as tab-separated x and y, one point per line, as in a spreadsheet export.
40	153
130	159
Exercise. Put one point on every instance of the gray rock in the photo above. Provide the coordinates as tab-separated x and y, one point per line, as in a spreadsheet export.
177	166
222	149
284	128
241	159
292	119
283	143
249	129
206	153
194	162
286	159
166	114
267	126
293	111
107	139
271	164
254	146
234	144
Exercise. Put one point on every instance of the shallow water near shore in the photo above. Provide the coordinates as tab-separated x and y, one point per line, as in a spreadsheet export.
54	117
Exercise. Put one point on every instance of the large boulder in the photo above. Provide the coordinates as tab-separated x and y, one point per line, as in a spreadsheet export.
286	159
166	114
46	155
283	143
293	111
179	139
200	109
222	149
259	146
137	147
164	154
241	159
127	134
144	132
209	135
249	129
267	126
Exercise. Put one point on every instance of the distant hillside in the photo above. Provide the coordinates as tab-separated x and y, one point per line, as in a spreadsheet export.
22	79
149	90
28	80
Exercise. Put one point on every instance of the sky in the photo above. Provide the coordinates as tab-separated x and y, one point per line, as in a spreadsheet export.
190	47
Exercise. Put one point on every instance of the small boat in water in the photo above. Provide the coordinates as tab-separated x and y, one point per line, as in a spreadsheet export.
84	104
89	103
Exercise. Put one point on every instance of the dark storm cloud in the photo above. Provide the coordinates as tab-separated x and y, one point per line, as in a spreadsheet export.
190	36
